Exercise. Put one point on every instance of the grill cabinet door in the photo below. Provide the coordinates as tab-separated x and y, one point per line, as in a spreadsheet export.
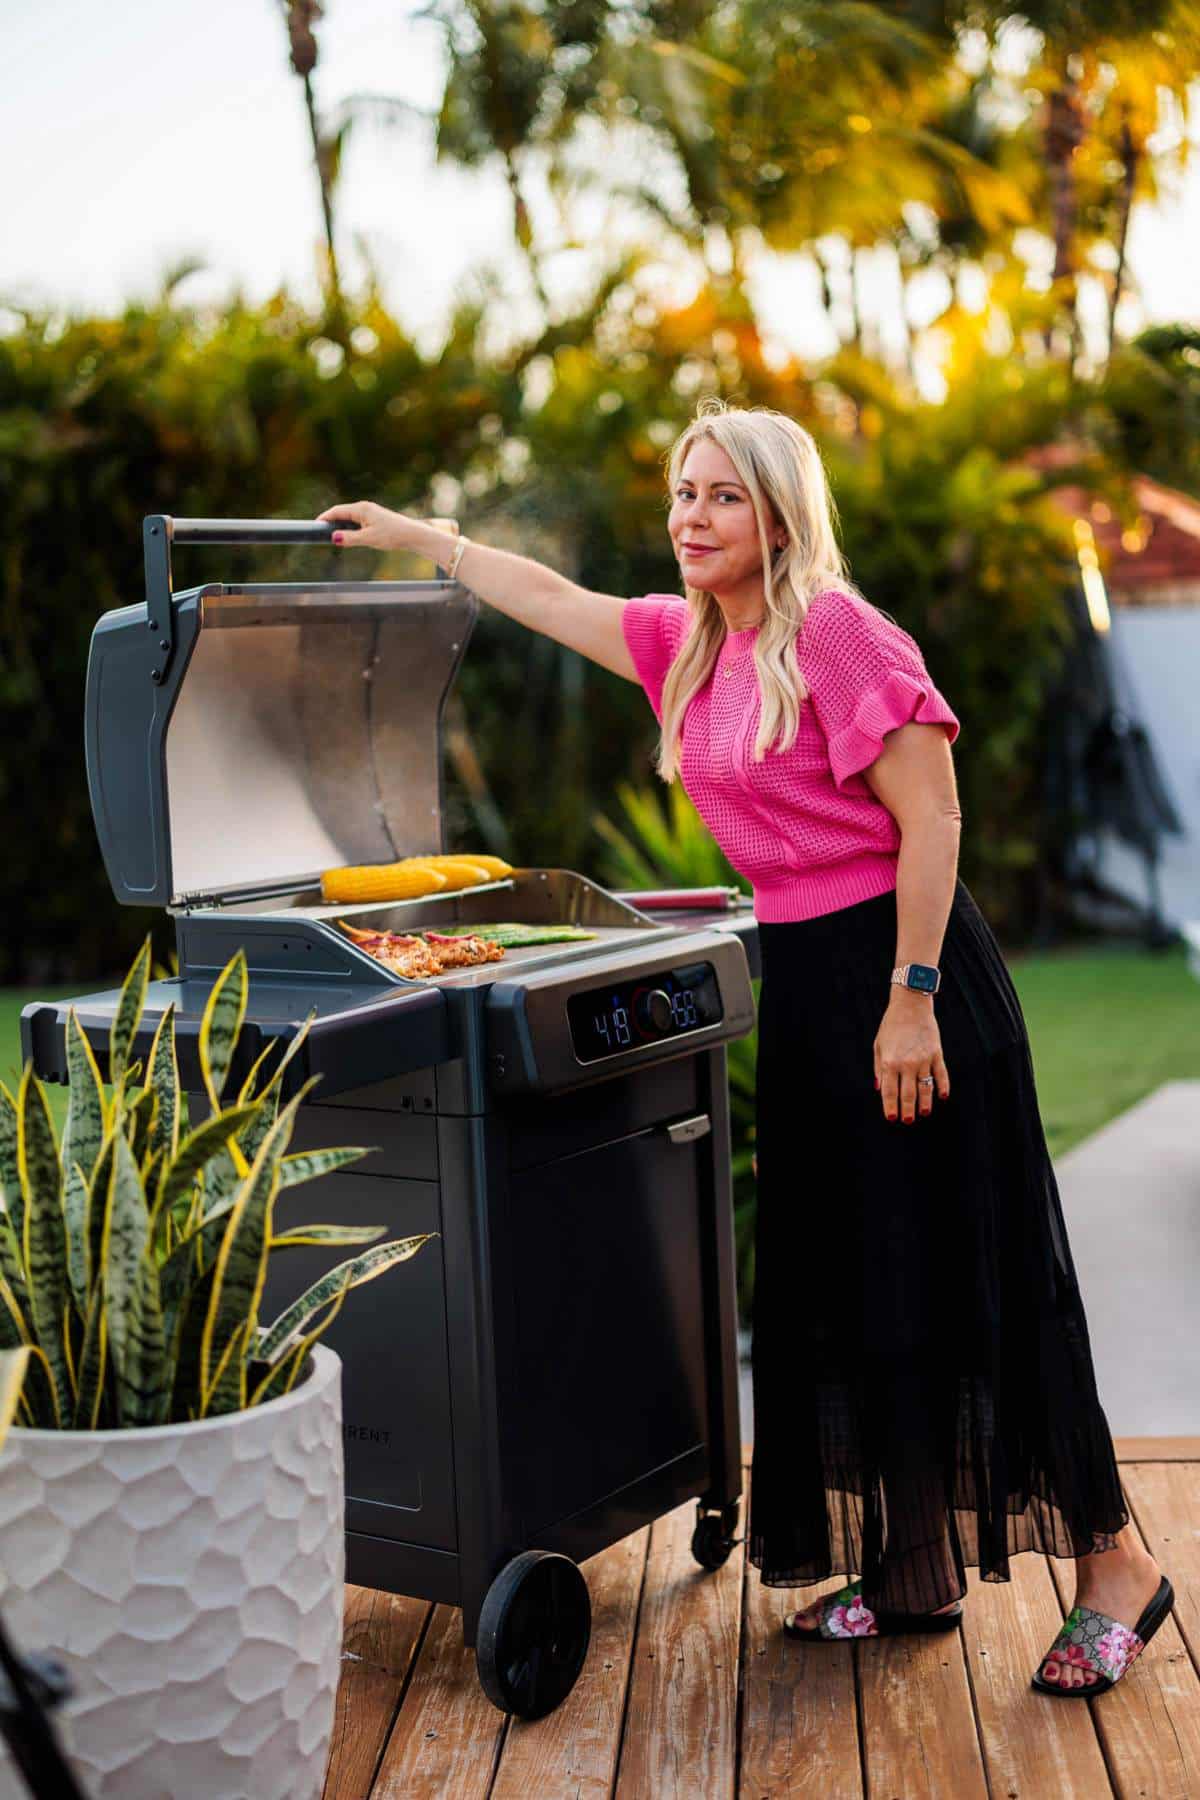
609	1312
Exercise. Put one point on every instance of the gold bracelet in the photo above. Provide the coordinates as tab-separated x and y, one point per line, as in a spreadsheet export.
452	565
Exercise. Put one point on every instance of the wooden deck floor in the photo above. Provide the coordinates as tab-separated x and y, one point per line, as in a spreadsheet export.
690	1692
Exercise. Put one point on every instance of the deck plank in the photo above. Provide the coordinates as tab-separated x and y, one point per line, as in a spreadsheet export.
1032	1744
572	1754
447	1733
379	1640
918	1726
1157	1449
681	1721
655	1713
1166	1505
793	1700
1149	1725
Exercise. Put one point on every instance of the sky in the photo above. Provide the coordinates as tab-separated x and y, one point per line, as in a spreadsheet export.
144	132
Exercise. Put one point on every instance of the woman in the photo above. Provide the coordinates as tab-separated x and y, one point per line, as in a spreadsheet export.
924	1396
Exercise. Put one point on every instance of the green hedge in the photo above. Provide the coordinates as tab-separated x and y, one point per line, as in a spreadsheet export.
558	450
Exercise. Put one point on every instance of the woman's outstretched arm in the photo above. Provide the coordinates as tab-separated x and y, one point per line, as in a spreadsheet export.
526	590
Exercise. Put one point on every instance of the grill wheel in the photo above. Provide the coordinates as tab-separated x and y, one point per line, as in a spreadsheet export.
533	1633
713	1539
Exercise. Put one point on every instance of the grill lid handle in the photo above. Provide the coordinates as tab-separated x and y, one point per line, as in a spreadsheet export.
252	531
160	531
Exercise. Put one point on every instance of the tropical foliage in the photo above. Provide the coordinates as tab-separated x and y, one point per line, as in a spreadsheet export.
695	159
134	1251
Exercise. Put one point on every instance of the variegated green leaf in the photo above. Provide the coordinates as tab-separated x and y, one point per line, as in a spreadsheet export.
197	1149
152	1169
268	1103
13	1364
219	1028
164	1079
139	1123
39	1396
143	1388
306	1165
83	1132
227	1392
97	1208
336	1281
222	1177
93	1363
128	1015
254	1133
10	1168
242	1258
126	1232
246	1091
70	1346
12	1262
13	1327
187	1313
328	1234
75	1222
279	1378
282	1378
44	1248
41	1393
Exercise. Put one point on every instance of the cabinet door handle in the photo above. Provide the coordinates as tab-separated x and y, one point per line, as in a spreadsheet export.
686	1131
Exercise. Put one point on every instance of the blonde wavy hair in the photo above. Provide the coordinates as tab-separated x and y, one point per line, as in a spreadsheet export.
782	469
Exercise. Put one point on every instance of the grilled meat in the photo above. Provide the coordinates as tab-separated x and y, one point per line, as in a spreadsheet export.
418	958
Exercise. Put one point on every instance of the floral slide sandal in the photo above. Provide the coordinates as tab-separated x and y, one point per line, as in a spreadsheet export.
1100	1647
843	1615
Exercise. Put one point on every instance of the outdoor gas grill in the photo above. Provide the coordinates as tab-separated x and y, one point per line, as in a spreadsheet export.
558	1366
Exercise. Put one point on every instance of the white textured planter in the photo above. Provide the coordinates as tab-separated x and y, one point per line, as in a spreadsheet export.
190	1577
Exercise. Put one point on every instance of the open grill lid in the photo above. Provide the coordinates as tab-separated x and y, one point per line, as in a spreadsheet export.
241	739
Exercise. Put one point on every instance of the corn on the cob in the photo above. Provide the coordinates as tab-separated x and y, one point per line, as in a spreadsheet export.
381	881
462	873
496	866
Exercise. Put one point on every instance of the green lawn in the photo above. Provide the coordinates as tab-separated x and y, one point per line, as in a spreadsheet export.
1107	1026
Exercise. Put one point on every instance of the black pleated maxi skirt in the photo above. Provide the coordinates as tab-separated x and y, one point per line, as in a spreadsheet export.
924	1396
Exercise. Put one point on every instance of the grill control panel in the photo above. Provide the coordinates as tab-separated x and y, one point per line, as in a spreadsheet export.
560	1029
622	1015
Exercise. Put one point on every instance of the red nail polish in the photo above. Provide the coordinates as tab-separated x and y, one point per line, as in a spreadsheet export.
337	537
891	1115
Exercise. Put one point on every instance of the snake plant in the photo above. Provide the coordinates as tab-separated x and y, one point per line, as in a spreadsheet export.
134	1251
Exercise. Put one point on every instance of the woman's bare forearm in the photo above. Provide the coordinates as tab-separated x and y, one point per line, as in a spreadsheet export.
926	874
592	624
517	585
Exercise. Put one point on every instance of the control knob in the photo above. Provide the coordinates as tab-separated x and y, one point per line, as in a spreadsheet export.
652	1010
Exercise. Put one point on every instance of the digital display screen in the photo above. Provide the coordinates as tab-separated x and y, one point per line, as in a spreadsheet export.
626	1014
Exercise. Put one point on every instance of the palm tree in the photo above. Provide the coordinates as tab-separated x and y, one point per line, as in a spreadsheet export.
517	76
1077	39
300	18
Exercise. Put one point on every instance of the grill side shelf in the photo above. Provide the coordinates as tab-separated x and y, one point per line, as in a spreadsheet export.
355	1040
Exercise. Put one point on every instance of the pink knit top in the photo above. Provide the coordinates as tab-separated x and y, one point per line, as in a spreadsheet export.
802	826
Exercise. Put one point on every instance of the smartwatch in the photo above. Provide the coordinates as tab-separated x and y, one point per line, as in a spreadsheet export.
921	976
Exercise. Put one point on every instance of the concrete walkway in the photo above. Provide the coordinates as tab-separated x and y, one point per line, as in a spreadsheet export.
1131	1199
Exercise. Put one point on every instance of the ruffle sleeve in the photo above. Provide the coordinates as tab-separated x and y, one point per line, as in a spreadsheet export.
866	677
654	627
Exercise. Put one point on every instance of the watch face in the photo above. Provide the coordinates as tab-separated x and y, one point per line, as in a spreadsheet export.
921	976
